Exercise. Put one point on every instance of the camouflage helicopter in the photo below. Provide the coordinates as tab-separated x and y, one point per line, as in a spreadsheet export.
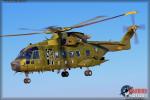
66	50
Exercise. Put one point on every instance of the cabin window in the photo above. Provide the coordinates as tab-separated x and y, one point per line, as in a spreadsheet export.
71	53
28	62
56	55
36	54
63	41
49	53
78	53
64	54
52	62
32	61
87	52
48	62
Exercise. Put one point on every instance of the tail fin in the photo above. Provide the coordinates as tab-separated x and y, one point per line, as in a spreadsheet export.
126	39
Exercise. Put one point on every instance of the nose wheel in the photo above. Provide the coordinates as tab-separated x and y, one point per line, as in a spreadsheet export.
88	73
27	80
65	74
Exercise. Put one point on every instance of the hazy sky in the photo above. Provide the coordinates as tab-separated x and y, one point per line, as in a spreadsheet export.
124	67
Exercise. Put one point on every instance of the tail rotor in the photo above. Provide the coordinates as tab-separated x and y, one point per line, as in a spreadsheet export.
134	27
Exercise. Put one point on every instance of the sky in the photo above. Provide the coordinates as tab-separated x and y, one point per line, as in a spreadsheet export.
123	68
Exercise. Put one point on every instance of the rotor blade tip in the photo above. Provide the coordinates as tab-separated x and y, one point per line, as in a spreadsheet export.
130	13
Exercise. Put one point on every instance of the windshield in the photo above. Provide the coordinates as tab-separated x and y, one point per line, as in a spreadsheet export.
21	54
28	53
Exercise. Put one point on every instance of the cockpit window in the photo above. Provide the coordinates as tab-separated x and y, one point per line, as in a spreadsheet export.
35	54
30	53
33	48
21	54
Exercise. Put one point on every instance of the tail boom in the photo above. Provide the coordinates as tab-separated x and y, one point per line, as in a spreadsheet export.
124	44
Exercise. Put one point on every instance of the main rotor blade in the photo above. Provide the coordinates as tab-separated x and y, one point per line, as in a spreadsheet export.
31	29
94	22
12	35
87	21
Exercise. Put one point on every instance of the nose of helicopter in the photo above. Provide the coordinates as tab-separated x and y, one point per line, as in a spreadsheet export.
15	65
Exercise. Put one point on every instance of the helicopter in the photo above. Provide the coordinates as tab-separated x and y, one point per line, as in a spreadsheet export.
66	49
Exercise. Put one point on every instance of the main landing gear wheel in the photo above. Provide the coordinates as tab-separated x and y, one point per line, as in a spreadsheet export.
64	74
88	73
27	80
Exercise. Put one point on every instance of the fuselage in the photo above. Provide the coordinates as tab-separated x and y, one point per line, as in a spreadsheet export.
70	50
40	57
